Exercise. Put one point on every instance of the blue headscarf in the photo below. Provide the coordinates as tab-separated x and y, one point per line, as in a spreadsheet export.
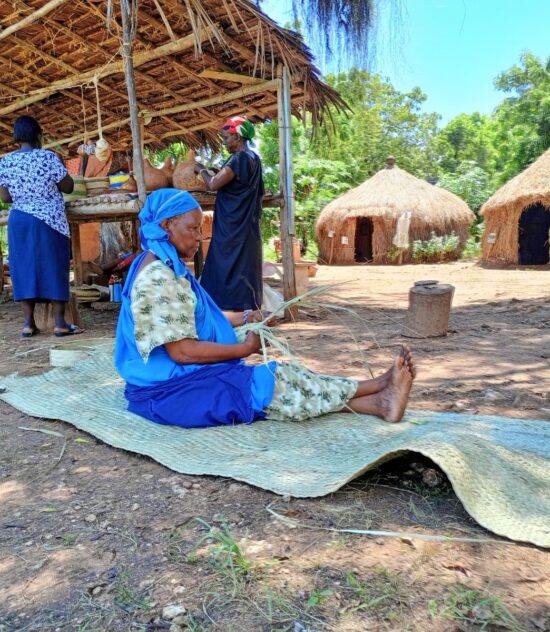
164	204
225	392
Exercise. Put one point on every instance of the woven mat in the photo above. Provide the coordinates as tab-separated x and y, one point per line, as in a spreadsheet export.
499	467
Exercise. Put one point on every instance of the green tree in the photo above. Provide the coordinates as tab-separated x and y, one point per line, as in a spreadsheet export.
465	139
383	122
470	182
351	146
522	120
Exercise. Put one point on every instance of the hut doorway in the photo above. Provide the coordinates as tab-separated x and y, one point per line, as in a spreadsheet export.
363	239
534	228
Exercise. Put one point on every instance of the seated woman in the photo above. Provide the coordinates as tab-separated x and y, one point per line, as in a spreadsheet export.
181	359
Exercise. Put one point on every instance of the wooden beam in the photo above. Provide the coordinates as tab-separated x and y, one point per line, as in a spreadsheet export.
265	86
95	132
230	76
78	79
137	141
287	187
9	64
91	44
33	17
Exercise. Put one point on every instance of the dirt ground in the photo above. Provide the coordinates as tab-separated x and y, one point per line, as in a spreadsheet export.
106	541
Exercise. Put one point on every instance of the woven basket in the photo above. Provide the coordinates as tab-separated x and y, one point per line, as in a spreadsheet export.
79	190
93	185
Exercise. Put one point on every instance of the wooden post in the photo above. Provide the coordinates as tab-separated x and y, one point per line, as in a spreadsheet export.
287	187
77	256
127	52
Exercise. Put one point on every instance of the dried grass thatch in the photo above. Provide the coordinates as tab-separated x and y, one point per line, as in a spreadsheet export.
503	210
196	62
383	198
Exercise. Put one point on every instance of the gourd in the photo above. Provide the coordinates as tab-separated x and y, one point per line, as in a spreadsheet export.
154	178
185	177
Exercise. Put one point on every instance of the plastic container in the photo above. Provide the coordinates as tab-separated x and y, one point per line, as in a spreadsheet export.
112	288
117	292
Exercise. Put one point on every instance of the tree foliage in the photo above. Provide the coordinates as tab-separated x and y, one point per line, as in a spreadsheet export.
522	120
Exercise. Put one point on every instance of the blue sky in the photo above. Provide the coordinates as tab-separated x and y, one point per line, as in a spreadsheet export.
452	49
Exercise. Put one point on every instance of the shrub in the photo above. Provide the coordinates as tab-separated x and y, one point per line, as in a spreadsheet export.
435	248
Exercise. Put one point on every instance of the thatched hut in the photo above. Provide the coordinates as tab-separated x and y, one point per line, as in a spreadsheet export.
517	218
360	225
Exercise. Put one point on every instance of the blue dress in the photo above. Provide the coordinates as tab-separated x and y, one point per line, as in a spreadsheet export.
232	273
188	395
38	231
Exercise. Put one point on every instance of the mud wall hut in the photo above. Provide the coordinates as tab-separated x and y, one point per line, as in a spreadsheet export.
360	225
517	218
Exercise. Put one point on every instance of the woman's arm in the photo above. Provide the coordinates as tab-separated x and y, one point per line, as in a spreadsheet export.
216	182
191	351
5	195
237	319
66	185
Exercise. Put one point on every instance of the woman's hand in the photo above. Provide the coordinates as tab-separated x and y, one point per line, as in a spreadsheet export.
253	342
255	317
198	167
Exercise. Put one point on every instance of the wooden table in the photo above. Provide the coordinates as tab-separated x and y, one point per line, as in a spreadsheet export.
102	210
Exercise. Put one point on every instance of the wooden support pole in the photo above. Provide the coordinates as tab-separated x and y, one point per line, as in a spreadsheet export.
77	254
287	187
33	17
127	53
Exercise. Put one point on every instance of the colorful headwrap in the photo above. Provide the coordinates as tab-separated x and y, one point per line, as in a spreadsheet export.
241	126
164	204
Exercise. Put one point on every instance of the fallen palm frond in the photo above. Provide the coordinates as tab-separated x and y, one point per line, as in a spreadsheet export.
273	340
52	433
389	534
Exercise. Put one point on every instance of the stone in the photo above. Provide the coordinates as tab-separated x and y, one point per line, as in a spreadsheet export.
90	518
179	590
431	478
172	611
146	583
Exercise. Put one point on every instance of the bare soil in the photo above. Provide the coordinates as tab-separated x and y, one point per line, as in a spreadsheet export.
104	540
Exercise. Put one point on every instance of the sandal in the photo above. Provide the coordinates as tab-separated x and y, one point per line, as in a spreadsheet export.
29	332
72	331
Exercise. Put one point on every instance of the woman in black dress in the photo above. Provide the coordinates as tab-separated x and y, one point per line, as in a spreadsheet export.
233	271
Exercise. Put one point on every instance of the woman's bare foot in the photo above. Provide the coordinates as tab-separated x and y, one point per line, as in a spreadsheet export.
407	356
395	396
405	353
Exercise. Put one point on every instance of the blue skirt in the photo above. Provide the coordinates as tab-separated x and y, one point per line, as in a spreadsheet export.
39	259
215	395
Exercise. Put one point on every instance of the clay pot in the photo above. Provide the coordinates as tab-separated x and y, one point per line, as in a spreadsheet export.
168	168
185	177
154	178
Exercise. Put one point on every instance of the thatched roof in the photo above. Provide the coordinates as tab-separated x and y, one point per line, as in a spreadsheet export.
531	186
391	192
197	61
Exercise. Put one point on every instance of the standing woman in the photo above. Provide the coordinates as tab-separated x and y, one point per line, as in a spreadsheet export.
38	232
233	271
